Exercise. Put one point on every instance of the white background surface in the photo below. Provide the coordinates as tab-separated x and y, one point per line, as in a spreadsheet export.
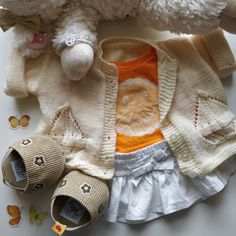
214	217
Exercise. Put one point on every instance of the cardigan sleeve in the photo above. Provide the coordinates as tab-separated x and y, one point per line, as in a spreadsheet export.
15	85
23	76
216	51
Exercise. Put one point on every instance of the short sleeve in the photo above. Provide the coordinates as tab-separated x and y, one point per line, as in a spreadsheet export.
216	51
23	76
15	85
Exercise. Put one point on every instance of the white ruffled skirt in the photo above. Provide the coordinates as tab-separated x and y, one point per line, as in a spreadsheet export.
148	184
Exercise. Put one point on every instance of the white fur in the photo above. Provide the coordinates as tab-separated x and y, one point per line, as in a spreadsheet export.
80	18
47	9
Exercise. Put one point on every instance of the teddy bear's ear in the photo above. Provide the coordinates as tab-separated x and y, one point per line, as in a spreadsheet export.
15	74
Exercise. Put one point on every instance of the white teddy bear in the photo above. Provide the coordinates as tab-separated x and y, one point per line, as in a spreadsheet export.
75	23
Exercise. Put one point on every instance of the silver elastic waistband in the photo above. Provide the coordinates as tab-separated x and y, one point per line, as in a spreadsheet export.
155	157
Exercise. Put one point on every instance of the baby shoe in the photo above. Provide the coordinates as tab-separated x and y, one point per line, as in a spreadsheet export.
79	200
33	164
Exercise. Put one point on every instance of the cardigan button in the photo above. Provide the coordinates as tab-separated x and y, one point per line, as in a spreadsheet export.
184	156
113	84
165	123
173	137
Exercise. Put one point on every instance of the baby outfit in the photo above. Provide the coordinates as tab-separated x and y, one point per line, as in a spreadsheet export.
194	116
148	182
168	116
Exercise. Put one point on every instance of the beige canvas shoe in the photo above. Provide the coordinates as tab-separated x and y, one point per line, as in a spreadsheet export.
33	164
79	200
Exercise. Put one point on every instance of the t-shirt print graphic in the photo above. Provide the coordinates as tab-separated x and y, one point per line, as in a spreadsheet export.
137	120
137	107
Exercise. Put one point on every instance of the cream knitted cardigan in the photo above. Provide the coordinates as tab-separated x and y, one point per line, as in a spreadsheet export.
194	115
80	116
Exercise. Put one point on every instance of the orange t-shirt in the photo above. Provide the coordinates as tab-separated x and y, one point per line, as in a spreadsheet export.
137	121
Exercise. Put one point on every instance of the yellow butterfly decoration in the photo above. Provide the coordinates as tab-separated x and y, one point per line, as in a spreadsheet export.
23	122
15	213
37	218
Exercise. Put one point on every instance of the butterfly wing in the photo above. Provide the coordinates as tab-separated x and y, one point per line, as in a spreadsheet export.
14	122
32	214
15	212
14	222
24	121
41	217
37	218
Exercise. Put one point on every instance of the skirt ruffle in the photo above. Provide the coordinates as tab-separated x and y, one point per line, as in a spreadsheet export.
156	187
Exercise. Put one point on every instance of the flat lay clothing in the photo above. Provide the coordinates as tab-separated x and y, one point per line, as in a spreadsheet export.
148	184
152	116
194	116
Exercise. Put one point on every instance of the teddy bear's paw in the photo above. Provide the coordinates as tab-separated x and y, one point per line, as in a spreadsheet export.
77	60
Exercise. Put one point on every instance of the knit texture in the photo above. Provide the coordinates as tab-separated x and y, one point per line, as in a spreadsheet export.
43	160
195	118
80	116
209	49
16	86
200	126
91	192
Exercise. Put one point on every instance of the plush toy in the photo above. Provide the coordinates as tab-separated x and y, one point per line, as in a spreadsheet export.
75	22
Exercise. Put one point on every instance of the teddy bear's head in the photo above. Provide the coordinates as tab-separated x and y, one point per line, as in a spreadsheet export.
47	9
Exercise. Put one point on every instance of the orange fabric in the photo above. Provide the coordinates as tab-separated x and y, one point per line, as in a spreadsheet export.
144	67
126	144
137	105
